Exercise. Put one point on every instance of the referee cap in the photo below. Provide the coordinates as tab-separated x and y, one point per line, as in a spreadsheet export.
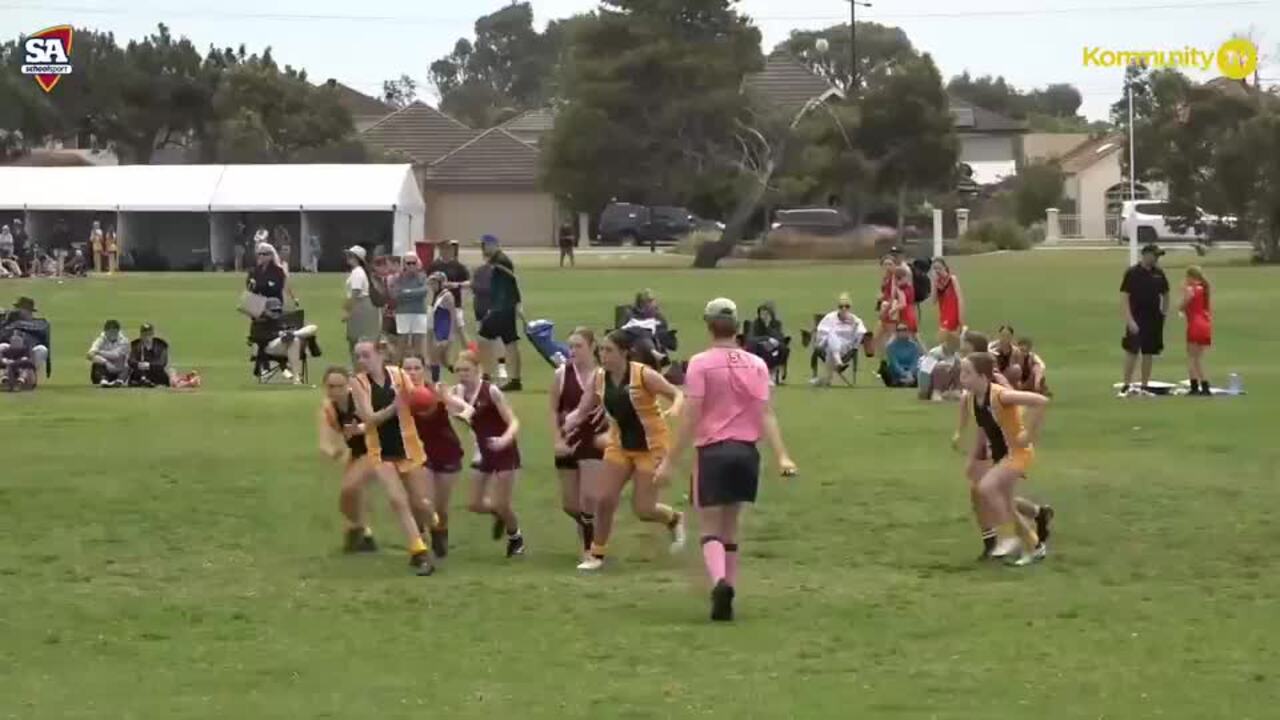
721	308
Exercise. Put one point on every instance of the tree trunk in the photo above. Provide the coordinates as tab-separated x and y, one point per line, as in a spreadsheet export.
710	254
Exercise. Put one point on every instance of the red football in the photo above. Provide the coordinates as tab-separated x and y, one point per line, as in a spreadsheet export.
423	401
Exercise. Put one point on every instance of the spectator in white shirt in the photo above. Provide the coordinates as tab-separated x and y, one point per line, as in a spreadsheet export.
939	376
837	339
109	357
363	319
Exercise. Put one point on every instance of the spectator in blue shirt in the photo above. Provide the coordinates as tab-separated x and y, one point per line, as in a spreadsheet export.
902	356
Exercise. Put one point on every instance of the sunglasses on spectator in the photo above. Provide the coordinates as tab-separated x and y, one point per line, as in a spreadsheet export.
264	254
845	307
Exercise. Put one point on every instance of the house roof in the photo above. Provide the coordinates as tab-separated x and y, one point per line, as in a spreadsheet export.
970	118
357	103
787	84
541	120
1090	152
494	158
420	132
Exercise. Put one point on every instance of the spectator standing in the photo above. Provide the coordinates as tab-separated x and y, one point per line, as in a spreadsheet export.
98	246
149	359
1144	302
568	239
362	318
499	323
109	357
8	261
457	279
21	245
284	244
410	295
1199	314
313	262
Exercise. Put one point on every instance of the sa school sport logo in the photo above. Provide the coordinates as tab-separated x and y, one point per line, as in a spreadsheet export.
48	55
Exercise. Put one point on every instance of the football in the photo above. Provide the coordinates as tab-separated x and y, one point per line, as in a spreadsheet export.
423	401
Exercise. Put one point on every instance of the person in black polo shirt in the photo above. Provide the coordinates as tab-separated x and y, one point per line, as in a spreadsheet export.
1144	301
457	279
499	322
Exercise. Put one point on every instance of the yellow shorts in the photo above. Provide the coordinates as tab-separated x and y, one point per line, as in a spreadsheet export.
1019	459
641	461
404	466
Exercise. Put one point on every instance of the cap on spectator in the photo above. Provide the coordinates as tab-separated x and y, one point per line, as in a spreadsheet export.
1152	249
489	240
895	250
358	252
721	308
25	303
146	328
111	325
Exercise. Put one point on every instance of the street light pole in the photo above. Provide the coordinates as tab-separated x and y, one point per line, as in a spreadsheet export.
853	43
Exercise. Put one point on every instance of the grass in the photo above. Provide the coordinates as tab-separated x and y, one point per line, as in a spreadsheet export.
175	555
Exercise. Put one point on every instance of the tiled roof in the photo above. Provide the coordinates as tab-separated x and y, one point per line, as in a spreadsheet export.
357	103
541	120
971	118
1090	152
787	84
494	159
420	132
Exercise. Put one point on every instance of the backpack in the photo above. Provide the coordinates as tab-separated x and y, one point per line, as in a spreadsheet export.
377	290
920	279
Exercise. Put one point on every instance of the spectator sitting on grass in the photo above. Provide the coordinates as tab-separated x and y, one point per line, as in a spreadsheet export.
34	332
939	375
1032	369
149	359
901	359
109	357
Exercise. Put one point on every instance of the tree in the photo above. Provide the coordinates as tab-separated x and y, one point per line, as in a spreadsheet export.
990	93
880	49
506	70
401	92
1037	188
614	139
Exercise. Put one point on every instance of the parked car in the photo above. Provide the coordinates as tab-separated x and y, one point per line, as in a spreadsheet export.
822	221
631	224
1150	221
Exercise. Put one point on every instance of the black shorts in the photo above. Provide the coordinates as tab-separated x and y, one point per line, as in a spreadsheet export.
727	473
1149	340
499	325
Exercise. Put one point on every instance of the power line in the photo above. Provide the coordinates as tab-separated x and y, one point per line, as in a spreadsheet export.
439	20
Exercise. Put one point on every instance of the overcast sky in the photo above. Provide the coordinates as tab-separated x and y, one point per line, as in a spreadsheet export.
1030	42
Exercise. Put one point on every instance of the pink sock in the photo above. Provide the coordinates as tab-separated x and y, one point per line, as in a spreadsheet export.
713	556
731	564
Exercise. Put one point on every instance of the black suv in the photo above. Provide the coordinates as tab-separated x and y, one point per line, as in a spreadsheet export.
629	224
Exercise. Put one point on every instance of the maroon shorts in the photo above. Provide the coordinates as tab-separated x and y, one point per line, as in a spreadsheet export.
496	462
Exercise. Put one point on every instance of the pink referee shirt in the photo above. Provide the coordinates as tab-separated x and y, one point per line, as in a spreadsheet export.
733	385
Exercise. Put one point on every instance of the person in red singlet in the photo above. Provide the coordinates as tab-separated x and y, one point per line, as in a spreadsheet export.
946	289
904	301
578	460
884	305
442	446
495	427
1195	308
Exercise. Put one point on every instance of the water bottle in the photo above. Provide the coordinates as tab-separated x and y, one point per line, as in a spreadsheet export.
1235	384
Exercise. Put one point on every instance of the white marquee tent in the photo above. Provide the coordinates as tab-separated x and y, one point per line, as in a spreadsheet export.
188	211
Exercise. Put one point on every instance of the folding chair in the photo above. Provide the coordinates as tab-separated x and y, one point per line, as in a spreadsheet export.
265	330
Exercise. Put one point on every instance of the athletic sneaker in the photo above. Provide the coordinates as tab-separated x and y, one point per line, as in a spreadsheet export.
722	602
351	540
1029	558
367	544
440	543
591	563
1044	522
104	383
1142	392
421	563
512	386
677	533
1007	547
515	545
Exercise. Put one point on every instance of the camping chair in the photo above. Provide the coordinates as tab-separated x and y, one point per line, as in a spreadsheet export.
848	363
661	342
777	365
264	330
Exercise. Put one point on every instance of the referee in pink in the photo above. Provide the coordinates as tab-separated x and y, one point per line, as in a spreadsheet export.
726	412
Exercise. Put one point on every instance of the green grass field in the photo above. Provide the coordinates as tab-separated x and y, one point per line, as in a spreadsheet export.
174	555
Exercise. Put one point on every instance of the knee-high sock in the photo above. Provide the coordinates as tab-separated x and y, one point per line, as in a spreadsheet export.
435	373
588	523
731	564
713	556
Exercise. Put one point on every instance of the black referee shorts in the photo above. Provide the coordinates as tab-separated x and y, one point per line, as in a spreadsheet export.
1149	340
727	473
500	325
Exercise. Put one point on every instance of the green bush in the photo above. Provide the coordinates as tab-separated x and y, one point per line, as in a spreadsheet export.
1000	234
1037	188
967	246
1036	233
